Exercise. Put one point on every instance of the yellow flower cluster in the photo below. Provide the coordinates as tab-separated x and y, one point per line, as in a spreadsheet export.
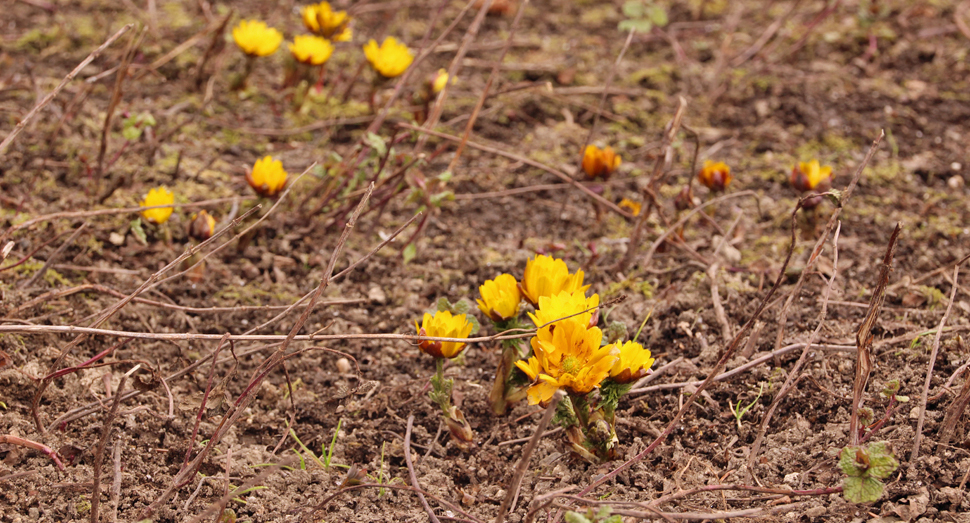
324	21
569	354
600	163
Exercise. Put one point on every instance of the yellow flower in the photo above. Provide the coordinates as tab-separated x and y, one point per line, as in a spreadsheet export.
546	276
439	80
267	177
716	176
443	325
500	298
633	363
633	206
391	59
567	357
323	20
808	176
600	162
256	39
311	50
202	226
158	196
566	303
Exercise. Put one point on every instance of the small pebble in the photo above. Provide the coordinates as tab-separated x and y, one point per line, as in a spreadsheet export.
343	366
955	182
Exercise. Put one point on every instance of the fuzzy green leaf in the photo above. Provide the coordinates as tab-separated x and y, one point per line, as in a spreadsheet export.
409	252
847	462
882	463
575	517
862	490
138	231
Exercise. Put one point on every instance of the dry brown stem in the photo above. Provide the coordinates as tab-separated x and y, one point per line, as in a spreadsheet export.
106	423
50	96
488	86
559	174
796	369
412	475
650	190
864	337
929	368
523	464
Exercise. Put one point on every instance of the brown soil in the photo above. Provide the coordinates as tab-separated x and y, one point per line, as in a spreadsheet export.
822	86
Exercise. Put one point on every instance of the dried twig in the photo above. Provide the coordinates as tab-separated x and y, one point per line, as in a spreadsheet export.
649	191
864	337
513	156
50	96
955	411
414	477
796	369
829	227
52	257
261	372
40	447
513	491
725	357
115	100
488	86
106	423
929	368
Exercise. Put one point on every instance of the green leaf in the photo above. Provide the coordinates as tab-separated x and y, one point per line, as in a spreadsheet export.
848	464
862	490
639	25
657	15
138	231
437	199
409	252
461	307
575	517
634	9
376	143
882	463
446	176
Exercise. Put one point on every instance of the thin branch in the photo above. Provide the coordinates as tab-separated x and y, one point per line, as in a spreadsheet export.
929	369
50	96
414	477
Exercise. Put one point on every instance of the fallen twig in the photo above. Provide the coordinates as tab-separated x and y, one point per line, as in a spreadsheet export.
50	96
929	369
414	477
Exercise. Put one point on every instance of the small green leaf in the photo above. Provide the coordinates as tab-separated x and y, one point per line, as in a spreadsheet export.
138	231
882	463
409	252
437	199
657	15
377	143
634	9
446	176
848	464
862	490
575	517
639	25
461	307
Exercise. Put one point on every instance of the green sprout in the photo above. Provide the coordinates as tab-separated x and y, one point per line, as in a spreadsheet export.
865	468
739	412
